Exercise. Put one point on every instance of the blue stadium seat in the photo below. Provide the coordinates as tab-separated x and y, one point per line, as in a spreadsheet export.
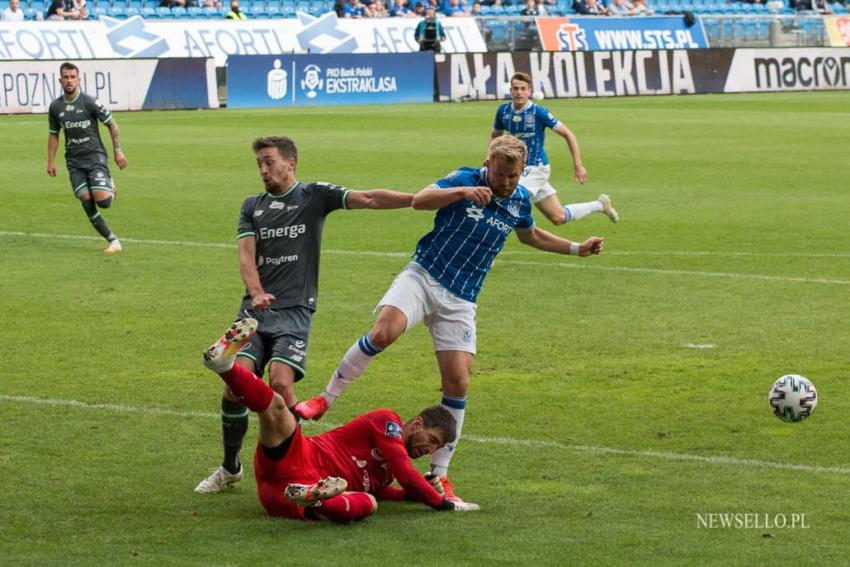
163	13
149	13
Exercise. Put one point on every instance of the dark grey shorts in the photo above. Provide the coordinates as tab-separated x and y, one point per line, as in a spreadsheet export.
96	178
282	336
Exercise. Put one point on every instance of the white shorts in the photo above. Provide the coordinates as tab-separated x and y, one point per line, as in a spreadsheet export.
450	319
535	178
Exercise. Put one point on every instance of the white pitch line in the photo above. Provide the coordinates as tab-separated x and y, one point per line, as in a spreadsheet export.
505	441
728	275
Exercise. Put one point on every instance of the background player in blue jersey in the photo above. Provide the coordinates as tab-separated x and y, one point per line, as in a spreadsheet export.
280	240
85	156
528	121
477	209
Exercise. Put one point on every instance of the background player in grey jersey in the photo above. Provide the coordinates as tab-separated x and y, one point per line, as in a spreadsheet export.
280	239
85	156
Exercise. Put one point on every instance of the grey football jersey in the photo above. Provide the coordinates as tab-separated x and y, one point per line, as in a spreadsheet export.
79	117
288	231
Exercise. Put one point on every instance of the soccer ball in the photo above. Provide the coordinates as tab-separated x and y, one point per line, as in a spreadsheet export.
537	95
793	397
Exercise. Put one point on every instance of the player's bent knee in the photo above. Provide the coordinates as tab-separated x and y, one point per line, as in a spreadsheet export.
105	203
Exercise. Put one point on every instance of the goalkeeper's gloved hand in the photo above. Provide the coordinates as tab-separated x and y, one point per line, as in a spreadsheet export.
450	506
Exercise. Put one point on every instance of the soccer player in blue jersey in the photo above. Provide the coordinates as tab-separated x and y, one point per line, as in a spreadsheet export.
528	121
477	209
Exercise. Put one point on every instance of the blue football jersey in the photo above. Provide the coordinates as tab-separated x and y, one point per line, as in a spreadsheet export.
529	125
466	237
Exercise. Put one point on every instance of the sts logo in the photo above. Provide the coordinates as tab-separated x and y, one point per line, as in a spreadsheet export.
571	37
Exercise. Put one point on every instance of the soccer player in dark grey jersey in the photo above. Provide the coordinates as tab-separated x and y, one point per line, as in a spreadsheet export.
280	238
85	156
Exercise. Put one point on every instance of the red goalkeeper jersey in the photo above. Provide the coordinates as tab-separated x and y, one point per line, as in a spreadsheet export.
368	452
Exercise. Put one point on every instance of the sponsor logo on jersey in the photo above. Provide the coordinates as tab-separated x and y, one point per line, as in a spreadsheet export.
277	205
277	261
78	124
69	108
257	213
299	344
517	118
475	213
293	231
502	227
367	482
290	208
393	430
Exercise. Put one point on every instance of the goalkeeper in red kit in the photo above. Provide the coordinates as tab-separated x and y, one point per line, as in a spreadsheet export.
338	475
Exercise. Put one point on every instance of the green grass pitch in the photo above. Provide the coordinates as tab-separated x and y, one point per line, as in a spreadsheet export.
596	433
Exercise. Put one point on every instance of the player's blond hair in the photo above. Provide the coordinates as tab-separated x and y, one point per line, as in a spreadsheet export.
508	149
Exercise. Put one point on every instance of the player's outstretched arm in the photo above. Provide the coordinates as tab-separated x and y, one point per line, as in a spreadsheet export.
120	158
52	146
432	197
572	143
378	199
548	242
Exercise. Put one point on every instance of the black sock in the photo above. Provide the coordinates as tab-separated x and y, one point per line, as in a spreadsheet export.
234	425
97	220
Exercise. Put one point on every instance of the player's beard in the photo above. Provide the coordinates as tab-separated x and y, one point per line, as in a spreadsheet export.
272	186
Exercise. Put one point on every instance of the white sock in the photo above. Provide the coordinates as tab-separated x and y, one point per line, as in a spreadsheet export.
577	211
442	457
352	365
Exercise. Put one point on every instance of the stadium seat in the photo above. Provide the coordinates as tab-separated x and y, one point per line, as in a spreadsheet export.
149	13
163	13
